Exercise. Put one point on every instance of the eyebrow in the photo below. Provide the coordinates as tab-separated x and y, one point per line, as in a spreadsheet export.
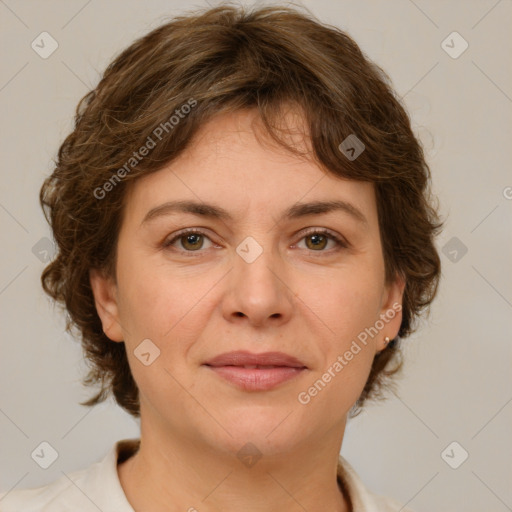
216	212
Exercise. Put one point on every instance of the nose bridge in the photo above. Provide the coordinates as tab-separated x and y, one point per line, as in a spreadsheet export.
258	289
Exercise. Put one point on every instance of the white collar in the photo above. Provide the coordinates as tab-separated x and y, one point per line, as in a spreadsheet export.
98	488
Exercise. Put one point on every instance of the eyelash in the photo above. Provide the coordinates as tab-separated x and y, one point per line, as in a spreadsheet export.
341	244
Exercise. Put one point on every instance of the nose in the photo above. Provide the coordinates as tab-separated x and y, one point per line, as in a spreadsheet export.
259	292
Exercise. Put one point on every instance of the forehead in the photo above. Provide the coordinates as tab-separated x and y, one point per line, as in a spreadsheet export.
233	162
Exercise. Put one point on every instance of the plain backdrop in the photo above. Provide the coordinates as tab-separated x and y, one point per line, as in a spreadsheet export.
456	385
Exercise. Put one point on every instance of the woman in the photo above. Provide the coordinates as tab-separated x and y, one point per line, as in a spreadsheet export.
245	237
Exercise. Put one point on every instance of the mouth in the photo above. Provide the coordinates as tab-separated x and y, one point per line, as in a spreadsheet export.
256	372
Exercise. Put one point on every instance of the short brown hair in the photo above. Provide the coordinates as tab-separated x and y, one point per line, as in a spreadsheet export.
226	59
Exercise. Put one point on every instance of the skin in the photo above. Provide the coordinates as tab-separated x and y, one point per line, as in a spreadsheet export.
305	299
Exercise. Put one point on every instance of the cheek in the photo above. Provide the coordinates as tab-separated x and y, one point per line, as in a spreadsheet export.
347	306
331	392
163	311
346	303
345	360
157	305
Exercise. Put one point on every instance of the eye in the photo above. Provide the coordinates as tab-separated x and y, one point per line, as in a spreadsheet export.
191	240
318	239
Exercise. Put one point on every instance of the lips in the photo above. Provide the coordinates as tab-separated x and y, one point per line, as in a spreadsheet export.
249	360
256	372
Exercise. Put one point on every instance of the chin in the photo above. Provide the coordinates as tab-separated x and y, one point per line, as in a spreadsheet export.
271	430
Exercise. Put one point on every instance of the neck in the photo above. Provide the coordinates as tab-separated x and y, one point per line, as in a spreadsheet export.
173	470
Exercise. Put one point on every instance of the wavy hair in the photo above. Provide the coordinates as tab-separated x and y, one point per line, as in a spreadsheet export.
230	58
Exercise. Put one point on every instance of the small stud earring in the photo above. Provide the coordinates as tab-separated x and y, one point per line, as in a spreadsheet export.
386	340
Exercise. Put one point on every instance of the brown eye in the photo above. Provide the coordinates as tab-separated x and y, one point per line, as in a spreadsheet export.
192	241
189	241
316	241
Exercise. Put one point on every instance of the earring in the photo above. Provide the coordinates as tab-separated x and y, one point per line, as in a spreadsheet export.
386	340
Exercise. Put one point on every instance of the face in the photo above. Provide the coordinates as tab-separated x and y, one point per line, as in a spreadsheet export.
250	268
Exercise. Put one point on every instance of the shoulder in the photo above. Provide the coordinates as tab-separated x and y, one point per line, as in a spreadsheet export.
386	504
363	500
61	495
92	489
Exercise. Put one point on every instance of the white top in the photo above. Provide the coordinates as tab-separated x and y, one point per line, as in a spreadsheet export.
98	488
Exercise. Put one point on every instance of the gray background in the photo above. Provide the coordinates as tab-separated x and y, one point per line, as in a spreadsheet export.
457	380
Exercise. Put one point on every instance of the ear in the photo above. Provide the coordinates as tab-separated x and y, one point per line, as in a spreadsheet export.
105	298
391	312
